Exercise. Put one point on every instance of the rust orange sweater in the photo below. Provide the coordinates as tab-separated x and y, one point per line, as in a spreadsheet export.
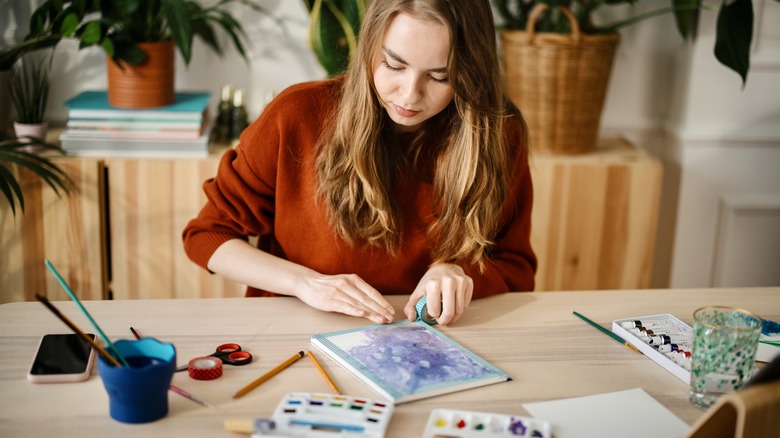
266	187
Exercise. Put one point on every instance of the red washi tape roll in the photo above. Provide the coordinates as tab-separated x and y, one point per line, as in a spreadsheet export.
205	368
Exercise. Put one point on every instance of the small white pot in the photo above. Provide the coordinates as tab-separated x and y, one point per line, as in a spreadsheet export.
38	130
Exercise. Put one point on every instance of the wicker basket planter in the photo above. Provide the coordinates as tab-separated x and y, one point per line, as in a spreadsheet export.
559	82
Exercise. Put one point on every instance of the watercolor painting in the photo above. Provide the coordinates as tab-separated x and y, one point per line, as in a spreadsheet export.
408	357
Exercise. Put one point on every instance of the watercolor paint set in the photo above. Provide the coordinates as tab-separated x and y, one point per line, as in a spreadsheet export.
466	424
663	338
305	414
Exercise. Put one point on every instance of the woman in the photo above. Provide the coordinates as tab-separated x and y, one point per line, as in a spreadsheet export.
408	175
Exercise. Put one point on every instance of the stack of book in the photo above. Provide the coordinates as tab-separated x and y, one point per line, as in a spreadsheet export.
95	128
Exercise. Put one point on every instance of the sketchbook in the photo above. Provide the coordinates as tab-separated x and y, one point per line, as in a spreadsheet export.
405	361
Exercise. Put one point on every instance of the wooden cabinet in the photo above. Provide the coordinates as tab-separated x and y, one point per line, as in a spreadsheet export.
150	202
119	235
594	218
68	230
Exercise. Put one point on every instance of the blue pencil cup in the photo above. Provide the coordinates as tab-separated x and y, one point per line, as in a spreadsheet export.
139	393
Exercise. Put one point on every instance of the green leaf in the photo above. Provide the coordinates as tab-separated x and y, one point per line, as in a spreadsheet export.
30	89
92	32
39	18
203	30
686	16
9	186
177	15
331	36
69	24
734	35
108	47
11	151
128	52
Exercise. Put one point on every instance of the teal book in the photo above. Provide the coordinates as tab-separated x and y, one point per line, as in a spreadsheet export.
405	361
93	104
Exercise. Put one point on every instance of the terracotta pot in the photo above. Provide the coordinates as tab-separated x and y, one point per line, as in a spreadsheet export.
147	85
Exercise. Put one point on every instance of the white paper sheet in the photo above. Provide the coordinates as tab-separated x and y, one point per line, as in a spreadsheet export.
766	352
632	413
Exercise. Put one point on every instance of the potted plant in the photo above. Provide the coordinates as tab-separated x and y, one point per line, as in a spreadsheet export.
552	51
30	94
333	29
8	57
139	37
13	151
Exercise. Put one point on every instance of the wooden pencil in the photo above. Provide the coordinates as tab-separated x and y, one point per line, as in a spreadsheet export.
259	381
324	374
78	331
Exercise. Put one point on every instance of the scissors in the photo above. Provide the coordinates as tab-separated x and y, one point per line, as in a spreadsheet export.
230	354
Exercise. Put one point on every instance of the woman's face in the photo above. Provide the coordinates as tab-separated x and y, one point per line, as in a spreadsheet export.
410	74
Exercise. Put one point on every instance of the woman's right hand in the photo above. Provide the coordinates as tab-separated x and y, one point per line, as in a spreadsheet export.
347	294
343	293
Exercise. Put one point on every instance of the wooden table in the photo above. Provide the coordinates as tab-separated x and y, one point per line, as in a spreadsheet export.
549	353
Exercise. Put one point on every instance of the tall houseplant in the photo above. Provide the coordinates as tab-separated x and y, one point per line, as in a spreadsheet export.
333	30
127	29
733	37
13	151
557	61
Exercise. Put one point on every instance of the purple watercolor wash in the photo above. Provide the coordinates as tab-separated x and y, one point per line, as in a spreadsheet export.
409	357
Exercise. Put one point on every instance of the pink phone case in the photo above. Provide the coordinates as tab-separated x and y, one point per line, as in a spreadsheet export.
60	378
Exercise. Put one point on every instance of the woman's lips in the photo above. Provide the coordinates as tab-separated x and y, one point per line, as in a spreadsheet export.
404	112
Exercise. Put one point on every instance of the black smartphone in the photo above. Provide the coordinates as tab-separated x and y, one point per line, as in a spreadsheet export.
62	358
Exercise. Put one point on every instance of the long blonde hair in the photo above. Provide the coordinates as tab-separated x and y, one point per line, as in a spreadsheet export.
359	161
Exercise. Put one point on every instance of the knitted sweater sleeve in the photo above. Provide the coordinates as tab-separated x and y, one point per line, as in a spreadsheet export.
241	199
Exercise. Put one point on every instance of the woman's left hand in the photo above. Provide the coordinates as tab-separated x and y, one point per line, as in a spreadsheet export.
448	291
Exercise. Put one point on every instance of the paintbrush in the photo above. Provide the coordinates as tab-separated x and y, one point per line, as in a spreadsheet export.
78	331
84	311
607	332
176	389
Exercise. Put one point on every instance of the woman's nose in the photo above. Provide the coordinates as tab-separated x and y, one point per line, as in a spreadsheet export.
410	89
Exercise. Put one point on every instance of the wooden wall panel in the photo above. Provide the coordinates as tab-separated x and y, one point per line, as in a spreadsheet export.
67	230
595	218
151	200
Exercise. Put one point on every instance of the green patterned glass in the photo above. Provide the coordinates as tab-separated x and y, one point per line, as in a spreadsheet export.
724	351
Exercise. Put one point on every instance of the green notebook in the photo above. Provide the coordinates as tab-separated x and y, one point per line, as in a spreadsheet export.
405	361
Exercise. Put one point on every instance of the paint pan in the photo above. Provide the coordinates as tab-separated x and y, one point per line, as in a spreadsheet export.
305	414
466	424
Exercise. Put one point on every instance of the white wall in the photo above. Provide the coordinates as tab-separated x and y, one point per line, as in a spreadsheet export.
719	144
728	149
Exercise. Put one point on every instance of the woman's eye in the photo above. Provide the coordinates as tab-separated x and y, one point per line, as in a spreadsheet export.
440	80
390	67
